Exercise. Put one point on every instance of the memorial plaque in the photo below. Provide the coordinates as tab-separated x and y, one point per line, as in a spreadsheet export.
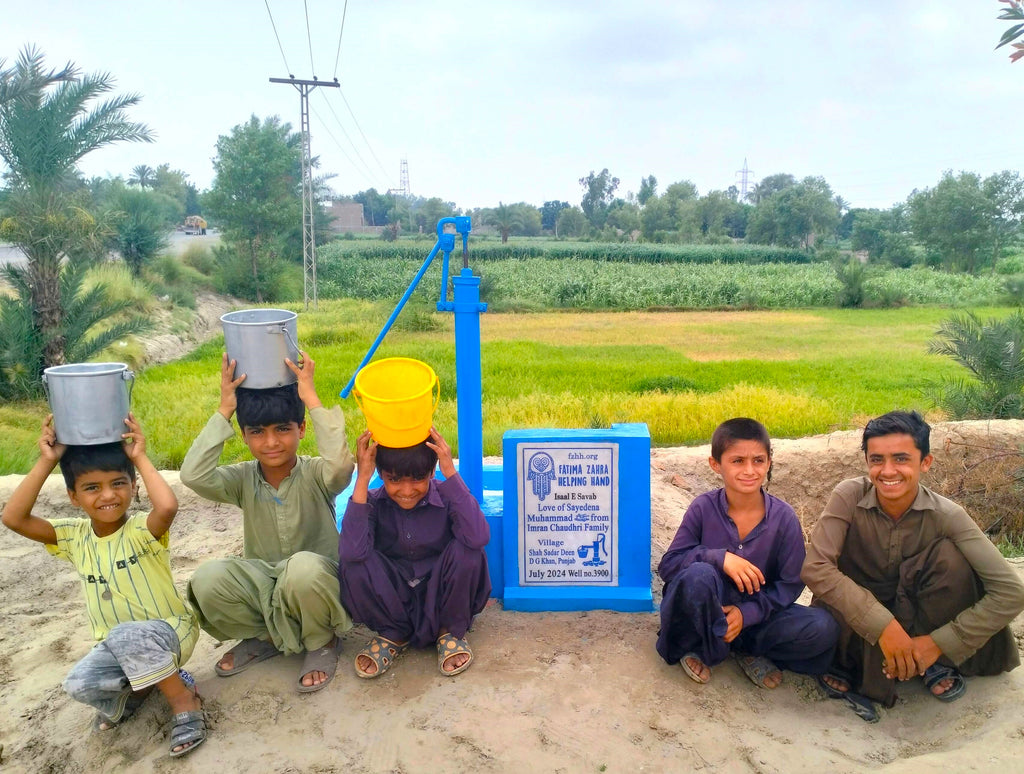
568	514
576	525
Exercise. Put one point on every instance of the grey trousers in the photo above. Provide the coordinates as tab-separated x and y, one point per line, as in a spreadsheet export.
135	655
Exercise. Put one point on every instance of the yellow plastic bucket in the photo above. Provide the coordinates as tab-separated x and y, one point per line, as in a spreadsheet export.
396	395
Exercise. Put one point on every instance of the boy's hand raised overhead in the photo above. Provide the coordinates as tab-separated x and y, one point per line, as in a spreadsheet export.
228	385
444	453
304	372
49	449
137	448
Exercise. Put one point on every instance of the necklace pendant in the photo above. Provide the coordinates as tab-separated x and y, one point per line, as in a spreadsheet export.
106	595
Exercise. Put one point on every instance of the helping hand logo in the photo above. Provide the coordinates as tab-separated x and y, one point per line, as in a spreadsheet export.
541	472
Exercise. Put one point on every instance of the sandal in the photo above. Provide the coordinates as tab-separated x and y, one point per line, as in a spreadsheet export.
382	652
324	660
757	668
449	645
246	653
189	728
936	673
691	672
861	705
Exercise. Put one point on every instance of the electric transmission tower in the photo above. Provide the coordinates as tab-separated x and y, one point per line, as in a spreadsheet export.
308	199
745	175
403	180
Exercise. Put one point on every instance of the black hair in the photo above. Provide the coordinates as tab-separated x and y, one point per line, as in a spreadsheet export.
899	423
740	429
79	460
413	461
273	406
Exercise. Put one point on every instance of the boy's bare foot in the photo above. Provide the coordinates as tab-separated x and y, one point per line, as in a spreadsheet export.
319	666
453	654
836	683
194	704
189	722
454	662
698	671
377	657
246	653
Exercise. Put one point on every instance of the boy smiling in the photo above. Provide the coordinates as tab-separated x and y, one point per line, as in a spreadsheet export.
282	595
916	586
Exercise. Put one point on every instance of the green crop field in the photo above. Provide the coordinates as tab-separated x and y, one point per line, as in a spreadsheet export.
799	371
657	278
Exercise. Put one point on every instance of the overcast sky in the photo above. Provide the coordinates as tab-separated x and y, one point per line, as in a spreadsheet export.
515	101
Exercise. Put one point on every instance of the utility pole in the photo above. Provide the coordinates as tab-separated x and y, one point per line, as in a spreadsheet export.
308	203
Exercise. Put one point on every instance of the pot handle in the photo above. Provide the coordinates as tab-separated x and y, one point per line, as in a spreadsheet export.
291	340
129	376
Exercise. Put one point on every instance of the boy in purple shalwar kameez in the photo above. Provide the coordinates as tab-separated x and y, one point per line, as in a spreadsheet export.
732	574
412	563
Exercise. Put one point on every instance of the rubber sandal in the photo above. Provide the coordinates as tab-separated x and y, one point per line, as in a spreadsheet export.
324	660
835	674
382	652
693	675
188	728
936	673
757	668
862	706
246	653
449	645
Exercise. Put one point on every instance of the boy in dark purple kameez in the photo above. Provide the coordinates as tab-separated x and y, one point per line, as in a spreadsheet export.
412	563
732	574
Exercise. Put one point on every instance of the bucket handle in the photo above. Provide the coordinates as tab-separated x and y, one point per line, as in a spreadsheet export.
129	376
282	328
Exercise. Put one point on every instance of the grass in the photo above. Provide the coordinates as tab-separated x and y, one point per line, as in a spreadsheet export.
1011	546
801	372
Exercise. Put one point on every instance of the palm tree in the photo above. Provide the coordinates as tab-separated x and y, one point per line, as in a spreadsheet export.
505	218
46	126
21	347
9	89
143	176
992	351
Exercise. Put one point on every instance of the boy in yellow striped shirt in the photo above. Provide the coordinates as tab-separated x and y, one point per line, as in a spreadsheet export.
144	628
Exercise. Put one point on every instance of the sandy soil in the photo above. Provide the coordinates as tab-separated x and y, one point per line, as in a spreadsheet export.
558	692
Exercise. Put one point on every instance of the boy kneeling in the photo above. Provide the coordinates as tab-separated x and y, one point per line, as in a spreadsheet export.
412	563
144	628
916	586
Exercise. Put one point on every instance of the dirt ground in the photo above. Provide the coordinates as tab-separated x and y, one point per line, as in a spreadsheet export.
551	692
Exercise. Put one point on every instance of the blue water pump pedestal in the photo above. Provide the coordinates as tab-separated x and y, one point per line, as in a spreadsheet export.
570	510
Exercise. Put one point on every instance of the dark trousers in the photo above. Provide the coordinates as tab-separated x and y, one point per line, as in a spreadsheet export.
934	587
376	594
800	639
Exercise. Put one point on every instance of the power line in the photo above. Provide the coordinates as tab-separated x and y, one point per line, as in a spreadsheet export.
337	57
348	158
279	46
309	39
356	122
349	138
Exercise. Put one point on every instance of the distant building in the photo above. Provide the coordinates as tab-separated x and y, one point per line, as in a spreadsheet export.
348	216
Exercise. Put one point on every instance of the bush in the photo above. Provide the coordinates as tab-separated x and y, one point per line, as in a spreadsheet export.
200	258
993	352
279	280
851	275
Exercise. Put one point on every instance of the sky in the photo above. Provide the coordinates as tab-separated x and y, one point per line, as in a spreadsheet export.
516	101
